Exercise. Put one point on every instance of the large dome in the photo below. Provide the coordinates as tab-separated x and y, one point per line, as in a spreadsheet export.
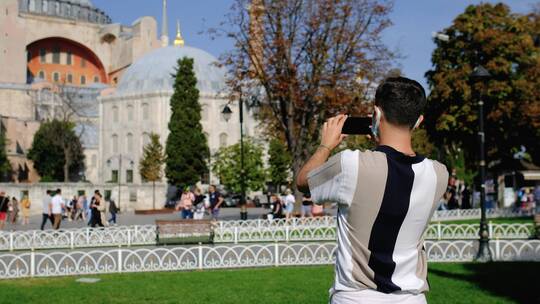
154	72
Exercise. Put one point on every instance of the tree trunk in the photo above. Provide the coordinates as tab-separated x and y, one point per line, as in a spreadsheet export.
154	195
67	161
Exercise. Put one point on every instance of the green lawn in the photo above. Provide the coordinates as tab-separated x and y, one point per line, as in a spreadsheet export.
506	220
450	283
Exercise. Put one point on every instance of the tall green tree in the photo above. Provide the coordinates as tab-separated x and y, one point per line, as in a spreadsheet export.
187	148
151	163
57	152
5	166
279	162
227	166
504	43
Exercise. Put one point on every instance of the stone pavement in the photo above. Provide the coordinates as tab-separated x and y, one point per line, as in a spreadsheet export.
131	218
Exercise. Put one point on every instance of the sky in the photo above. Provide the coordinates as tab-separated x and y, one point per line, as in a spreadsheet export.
411	32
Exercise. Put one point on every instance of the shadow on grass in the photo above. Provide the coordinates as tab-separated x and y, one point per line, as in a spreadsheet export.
518	281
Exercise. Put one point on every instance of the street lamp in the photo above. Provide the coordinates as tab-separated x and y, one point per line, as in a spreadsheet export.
484	255
118	177
254	104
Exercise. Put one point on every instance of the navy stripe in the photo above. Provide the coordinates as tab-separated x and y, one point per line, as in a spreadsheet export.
394	207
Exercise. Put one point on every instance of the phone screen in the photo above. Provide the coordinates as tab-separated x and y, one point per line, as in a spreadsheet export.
357	125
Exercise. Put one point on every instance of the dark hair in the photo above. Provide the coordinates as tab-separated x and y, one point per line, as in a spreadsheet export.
48	191
58	191
402	100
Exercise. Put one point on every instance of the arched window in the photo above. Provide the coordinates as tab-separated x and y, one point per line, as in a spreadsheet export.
83	80
114	143
69	78
145	139
145	108
115	114
129	142
42	55
223	139
41	75
130	112
56	76
96	79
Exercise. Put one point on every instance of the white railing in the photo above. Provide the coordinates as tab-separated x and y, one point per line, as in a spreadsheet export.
146	235
463	214
101	261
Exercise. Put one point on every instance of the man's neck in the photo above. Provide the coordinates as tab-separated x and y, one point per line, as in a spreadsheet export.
397	138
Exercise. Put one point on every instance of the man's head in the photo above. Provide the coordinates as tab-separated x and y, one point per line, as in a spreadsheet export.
212	188
58	191
401	101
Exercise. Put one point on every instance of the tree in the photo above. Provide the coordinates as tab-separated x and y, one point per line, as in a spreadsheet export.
227	166
151	163
504	43
279	162
187	149
310	59
56	151
5	166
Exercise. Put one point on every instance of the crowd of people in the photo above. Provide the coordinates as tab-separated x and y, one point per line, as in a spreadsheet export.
55	209
282	206
193	204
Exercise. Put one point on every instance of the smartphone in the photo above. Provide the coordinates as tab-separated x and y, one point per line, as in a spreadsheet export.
357	126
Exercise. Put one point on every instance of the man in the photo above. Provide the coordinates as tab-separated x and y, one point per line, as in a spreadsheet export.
57	204
4	205
216	200
385	200
46	210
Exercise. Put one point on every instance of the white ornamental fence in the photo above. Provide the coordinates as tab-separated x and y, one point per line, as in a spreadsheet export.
464	214
101	261
227	233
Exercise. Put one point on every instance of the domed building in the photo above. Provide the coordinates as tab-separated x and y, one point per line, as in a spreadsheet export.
140	105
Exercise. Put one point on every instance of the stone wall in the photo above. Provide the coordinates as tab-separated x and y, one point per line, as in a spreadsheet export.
133	196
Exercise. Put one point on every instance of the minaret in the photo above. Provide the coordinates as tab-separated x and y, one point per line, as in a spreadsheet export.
179	41
164	31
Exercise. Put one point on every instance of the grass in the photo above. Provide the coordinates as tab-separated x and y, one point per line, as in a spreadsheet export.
450	283
505	220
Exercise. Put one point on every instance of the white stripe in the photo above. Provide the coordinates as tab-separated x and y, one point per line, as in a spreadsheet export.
349	165
405	252
344	267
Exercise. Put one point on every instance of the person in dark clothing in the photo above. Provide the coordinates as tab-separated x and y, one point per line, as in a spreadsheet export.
277	207
46	212
113	210
4	201
466	198
96	216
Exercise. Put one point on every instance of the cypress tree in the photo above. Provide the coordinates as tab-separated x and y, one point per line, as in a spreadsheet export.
186	148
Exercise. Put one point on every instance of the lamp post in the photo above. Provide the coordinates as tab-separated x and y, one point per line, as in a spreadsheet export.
483	255
227	113
119	179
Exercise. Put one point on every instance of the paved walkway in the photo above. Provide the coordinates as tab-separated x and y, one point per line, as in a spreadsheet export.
131	218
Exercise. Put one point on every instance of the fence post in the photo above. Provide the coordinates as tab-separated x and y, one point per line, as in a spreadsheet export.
490	229
32	263
129	237
497	249
439	231
276	254
134	236
11	241
200	257
120	258
235	234
71	240
87	236
33	240
287	234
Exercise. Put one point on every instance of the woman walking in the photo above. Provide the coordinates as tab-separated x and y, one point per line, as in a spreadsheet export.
96	216
25	204
14	210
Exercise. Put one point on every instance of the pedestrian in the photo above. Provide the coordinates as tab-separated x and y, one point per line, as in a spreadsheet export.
91	211
537	198
4	202
276	207
186	204
95	218
46	209
307	204
57	205
466	197
71	208
199	204
289	201
80	207
216	200
26	204
112	211
384	198
14	210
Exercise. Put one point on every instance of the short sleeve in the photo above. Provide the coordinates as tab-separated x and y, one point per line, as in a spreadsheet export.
335	180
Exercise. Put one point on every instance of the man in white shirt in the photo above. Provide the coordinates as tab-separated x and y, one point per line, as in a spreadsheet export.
57	204
385	200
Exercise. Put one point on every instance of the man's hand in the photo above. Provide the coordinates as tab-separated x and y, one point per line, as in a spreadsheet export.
331	132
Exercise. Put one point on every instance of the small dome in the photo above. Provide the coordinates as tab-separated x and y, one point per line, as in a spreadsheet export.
87	3
155	72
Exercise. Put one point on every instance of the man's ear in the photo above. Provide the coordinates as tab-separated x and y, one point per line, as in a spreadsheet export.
418	121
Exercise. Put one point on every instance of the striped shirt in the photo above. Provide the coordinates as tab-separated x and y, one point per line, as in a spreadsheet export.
385	200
